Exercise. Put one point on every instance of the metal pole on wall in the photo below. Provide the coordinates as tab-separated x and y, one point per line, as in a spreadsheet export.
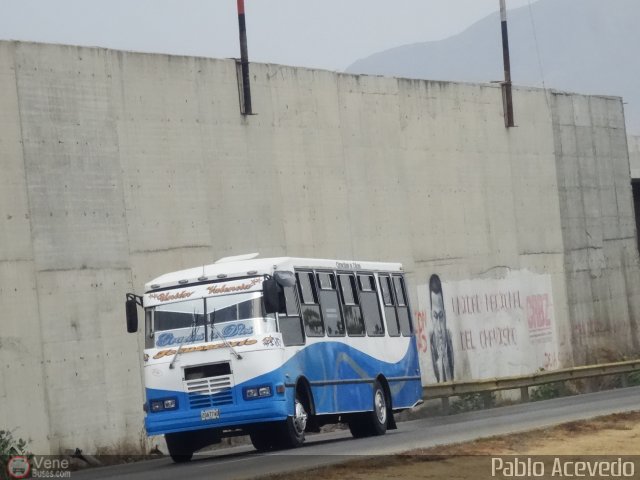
507	97
244	61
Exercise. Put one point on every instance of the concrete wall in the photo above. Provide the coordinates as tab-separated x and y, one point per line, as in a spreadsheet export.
598	227
122	166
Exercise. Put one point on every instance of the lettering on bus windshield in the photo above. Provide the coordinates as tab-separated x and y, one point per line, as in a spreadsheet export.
204	348
165	297
166	339
215	289
237	329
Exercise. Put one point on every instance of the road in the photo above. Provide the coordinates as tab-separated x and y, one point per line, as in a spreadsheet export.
322	449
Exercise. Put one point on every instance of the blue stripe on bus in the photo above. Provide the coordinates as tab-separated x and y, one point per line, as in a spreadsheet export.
347	363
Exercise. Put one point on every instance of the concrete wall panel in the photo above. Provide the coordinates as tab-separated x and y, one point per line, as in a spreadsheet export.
161	151
71	154
91	366
23	396
14	206
597	223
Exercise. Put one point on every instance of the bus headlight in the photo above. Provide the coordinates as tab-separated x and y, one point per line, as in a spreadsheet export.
163	404
262	391
251	393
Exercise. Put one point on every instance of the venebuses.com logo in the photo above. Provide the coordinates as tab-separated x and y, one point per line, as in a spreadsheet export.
18	467
21	466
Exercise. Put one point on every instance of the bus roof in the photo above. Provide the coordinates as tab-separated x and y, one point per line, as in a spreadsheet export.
247	266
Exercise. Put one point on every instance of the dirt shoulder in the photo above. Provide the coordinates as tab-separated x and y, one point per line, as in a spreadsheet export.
614	435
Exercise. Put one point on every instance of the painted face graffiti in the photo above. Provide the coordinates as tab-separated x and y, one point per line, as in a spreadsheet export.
439	322
440	336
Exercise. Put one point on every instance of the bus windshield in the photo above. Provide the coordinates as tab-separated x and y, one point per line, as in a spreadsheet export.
238	315
208	319
178	323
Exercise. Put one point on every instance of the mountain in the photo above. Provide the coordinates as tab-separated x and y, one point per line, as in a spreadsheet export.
584	46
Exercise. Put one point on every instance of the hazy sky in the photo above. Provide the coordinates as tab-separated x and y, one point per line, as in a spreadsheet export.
329	34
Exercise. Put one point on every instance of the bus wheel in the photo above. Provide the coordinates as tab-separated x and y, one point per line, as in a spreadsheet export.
374	422
262	440
358	427
292	430
179	447
378	417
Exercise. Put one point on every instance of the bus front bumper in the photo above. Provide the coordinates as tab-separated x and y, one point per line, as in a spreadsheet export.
223	417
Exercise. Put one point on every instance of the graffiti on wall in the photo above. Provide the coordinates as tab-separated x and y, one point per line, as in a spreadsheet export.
485	328
440	342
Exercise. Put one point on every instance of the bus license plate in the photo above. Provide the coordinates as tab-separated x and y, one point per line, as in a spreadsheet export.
212	414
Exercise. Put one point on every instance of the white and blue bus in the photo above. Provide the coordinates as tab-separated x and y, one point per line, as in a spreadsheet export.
274	348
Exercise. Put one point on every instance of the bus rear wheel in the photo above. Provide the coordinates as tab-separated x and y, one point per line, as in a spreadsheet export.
372	423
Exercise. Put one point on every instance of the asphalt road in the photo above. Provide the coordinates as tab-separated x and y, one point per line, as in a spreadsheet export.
322	449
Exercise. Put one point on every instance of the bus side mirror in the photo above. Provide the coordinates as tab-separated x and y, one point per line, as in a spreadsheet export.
272	294
132	314
284	278
274	300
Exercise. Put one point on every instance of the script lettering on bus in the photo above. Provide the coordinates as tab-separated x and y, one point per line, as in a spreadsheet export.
213	289
165	296
204	348
167	339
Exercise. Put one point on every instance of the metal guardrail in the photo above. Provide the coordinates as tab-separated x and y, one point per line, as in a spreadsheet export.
523	382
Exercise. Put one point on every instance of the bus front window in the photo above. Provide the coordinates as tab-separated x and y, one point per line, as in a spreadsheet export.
238	315
207	319
179	323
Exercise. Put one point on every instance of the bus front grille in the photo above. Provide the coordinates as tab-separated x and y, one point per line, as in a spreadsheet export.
210	392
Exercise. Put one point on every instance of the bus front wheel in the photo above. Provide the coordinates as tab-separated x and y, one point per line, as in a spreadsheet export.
179	446
292	430
262	440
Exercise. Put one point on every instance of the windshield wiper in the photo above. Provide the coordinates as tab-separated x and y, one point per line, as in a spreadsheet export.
222	337
190	338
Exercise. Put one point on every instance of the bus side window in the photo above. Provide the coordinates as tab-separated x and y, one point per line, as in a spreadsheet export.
350	306
389	307
290	324
309	306
330	306
404	318
370	305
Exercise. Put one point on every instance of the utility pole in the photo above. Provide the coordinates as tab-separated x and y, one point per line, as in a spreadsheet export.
245	91
507	97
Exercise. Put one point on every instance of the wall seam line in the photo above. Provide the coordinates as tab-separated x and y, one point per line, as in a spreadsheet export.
43	370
